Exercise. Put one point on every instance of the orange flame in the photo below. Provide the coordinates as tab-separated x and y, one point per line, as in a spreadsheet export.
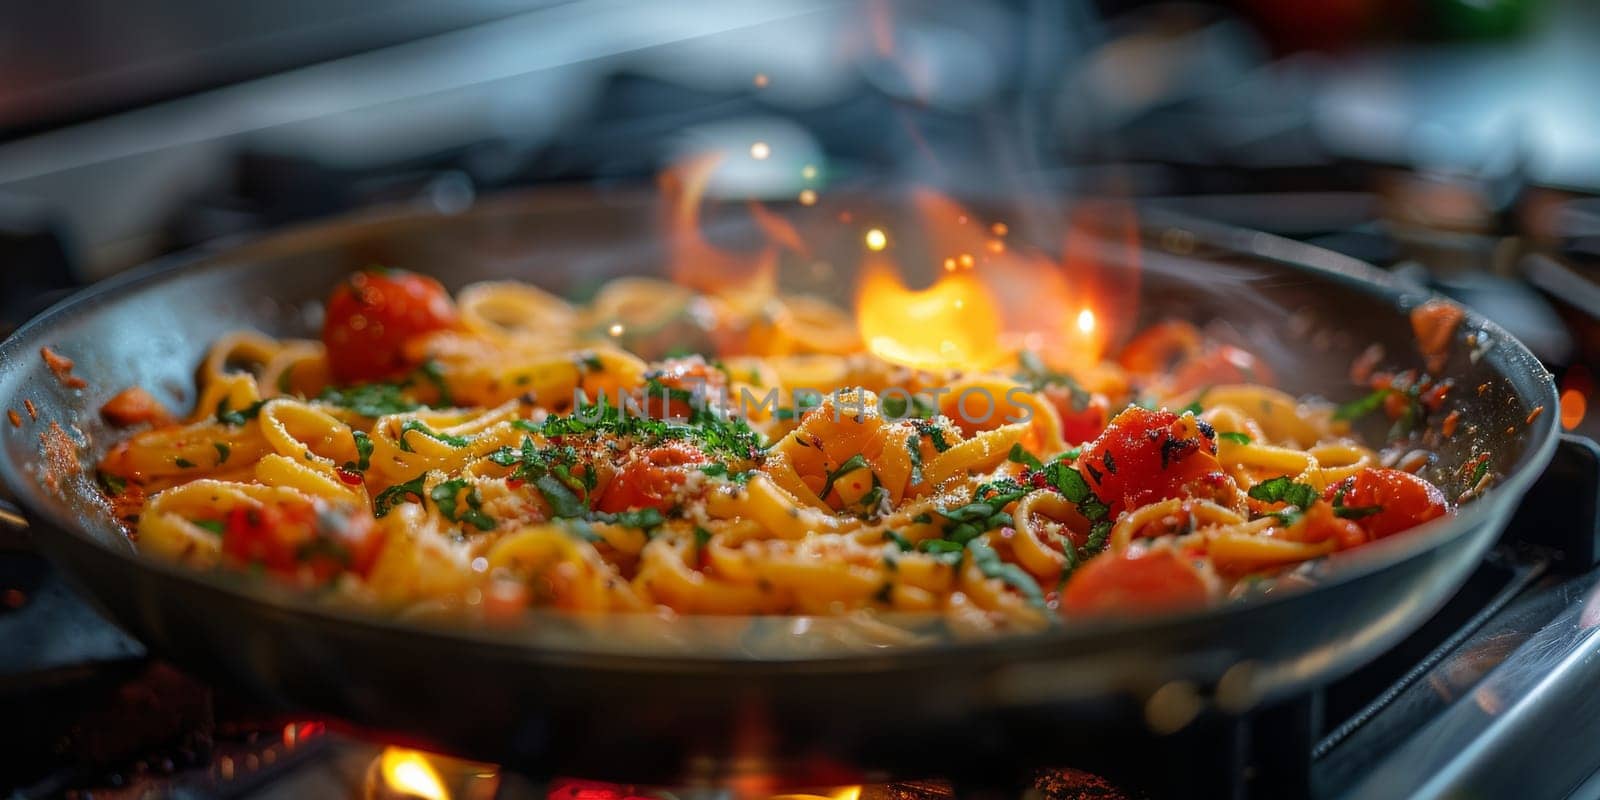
953	323
993	301
745	281
408	773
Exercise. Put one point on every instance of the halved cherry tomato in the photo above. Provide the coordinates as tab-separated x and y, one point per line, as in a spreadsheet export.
1219	365
372	315
284	537
1159	347
1135	580
650	478
1145	456
687	381
1401	500
1082	418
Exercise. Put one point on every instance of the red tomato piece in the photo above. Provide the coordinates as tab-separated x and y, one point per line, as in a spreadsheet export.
1401	500
372	315
1082	419
650	478
1220	365
686	381
1135	580
283	537
1161	346
1145	456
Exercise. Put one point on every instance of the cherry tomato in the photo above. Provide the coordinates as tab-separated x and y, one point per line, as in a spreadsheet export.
1145	456
687	381
650	479
1402	500
1135	580
1082	418
283	537
372	315
1222	364
1161	346
1320	523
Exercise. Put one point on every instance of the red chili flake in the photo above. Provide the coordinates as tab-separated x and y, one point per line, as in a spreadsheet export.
16	419
61	366
350	477
33	413
1448	427
514	483
1534	414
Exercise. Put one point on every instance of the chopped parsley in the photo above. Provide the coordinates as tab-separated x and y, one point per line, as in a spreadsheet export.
1235	437
851	464
370	399
212	525
183	463
934	433
1027	459
644	519
1283	489
223	451
899	541
422	427
720	470
236	417
1067	480
914	448
897	408
991	565
713	434
363	452
397	494
447	496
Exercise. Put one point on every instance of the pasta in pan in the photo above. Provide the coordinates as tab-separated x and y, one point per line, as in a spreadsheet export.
522	451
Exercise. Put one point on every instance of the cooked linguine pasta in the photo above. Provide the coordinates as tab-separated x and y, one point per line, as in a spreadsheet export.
507	449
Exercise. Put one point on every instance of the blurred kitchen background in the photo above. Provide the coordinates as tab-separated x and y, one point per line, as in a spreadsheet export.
1454	141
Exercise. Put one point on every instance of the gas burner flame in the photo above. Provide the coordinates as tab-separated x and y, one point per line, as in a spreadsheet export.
992	300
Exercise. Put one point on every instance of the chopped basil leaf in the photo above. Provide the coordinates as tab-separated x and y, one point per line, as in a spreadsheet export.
240	416
990	564
899	541
1027	459
370	399
223	451
214	526
1235	437
1283	489
183	463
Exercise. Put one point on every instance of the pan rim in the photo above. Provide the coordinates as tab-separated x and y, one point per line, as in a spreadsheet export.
1078	638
